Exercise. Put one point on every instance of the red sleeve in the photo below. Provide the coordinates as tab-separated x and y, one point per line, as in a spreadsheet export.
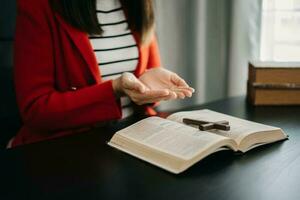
154	55
42	107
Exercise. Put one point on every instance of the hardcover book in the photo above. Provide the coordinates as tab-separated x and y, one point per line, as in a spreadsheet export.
175	146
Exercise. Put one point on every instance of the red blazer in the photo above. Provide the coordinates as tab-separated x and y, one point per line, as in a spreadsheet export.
57	79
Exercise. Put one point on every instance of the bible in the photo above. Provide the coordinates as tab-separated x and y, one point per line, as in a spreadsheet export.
175	146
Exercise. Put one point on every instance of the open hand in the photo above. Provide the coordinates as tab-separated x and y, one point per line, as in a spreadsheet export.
159	79
129	85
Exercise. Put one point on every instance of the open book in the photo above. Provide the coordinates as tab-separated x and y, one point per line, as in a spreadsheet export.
175	146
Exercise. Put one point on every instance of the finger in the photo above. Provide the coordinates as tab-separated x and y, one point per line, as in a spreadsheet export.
186	92
173	95
140	87
180	94
154	100
187	88
156	93
132	83
152	94
178	81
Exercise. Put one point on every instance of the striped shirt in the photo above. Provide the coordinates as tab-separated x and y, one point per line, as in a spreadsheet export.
116	49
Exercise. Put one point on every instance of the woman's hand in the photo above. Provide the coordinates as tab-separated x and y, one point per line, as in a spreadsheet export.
129	85
160	79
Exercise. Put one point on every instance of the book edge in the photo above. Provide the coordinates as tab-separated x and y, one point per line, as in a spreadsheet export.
174	171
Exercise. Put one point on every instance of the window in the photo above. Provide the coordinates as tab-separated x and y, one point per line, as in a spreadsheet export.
280	34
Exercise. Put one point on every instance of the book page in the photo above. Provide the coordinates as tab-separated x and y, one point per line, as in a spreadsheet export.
170	137
239	128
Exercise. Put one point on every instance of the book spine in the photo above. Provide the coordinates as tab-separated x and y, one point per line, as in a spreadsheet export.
272	97
251	73
250	93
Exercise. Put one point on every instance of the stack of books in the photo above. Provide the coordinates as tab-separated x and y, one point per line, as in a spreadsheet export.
274	83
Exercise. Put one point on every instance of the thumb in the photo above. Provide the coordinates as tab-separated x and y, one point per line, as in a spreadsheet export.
178	81
132	83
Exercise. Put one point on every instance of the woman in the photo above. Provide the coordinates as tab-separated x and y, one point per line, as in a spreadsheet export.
77	61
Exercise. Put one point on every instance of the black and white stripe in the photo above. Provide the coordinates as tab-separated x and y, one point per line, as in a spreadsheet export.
116	49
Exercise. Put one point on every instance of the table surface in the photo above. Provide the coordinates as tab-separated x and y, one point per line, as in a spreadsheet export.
83	166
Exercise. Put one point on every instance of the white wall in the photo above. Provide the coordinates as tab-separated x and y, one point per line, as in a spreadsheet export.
175	28
209	43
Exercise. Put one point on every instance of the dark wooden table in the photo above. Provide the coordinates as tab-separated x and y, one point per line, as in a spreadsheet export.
84	167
